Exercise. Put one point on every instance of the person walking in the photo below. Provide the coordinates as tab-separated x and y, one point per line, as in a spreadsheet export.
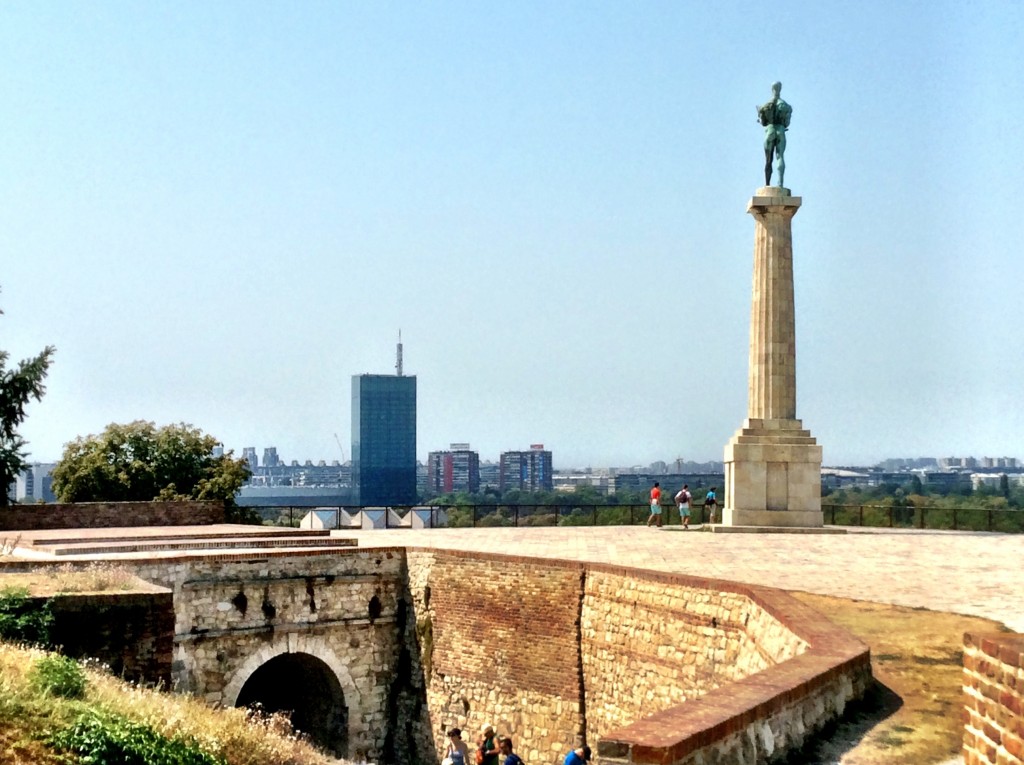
655	505
487	746
457	752
577	756
511	758
683	498
710	504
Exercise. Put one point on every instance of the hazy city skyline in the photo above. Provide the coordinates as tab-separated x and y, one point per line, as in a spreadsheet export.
219	214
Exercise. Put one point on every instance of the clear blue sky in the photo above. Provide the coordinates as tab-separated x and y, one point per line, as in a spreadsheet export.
219	212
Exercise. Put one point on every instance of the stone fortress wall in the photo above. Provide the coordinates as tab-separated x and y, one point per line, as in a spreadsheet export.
557	653
651	643
994	699
642	666
234	613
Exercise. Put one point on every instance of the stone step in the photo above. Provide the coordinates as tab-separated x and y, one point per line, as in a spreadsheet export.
236	543
774	438
271	533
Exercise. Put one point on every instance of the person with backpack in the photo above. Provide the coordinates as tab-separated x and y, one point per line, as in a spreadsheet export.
711	504
683	498
487	747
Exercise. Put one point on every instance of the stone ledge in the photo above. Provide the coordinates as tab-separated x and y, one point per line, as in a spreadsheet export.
720	529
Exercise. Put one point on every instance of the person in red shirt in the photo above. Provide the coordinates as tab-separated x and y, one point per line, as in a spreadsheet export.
655	505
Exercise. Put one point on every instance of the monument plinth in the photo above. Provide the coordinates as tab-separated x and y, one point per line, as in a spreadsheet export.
772	464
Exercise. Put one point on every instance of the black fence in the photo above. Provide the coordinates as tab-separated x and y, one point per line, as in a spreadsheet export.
494	516
1004	520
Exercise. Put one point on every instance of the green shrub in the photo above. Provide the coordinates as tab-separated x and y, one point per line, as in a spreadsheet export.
58	675
24	619
116	740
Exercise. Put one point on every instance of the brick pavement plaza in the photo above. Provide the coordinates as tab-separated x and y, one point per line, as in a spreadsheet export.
976	573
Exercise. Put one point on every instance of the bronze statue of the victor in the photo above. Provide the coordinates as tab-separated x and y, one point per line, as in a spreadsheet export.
775	116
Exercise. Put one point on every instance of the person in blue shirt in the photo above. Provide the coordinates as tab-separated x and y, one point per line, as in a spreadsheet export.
577	756
511	758
711	504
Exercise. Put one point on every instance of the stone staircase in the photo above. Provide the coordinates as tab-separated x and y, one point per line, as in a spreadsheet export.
184	539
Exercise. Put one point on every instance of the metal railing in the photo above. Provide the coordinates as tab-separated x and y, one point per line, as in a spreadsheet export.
502	515
1006	520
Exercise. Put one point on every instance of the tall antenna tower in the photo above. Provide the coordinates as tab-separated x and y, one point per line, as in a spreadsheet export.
398	362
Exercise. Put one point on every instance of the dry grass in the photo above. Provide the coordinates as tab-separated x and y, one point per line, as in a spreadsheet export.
913	713
234	734
55	580
95	577
8	545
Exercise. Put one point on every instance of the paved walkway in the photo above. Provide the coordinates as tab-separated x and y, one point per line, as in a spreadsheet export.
961	572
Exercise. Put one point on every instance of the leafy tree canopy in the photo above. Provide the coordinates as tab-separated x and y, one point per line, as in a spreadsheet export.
17	386
139	462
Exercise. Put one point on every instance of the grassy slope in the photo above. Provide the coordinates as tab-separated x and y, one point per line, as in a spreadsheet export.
914	714
26	716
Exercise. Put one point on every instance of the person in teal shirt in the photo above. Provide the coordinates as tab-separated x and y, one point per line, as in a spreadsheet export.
711	504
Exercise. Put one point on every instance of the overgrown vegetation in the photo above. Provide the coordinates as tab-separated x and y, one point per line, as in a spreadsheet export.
24	619
45	721
111	738
58	675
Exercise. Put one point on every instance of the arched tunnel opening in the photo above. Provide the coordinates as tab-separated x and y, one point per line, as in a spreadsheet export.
303	687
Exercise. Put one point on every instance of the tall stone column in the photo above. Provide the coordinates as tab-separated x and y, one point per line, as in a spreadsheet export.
772	464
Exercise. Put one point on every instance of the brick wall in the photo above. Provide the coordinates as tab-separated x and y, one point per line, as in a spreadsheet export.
994	699
657	668
91	515
502	648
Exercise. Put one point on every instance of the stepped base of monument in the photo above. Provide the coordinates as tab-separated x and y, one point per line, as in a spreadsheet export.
724	529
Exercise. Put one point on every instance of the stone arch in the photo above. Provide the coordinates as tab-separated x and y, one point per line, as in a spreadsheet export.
294	644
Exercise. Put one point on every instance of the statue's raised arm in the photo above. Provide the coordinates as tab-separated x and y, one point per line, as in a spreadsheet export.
775	116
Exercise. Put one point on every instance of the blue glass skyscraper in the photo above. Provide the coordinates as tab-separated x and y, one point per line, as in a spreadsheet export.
384	439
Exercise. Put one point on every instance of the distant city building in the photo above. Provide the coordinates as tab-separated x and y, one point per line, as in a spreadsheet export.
270	458
249	455
34	484
526	471
490	474
384	439
217	451
947	480
293	496
455	470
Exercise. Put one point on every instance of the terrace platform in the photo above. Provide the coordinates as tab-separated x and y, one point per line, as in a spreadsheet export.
164	541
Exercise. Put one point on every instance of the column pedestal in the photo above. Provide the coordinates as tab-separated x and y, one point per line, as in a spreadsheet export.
772	464
773	476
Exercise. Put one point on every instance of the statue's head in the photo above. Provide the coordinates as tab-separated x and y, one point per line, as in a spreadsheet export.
776	89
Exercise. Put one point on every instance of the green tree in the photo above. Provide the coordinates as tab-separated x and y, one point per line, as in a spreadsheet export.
139	462
17	387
